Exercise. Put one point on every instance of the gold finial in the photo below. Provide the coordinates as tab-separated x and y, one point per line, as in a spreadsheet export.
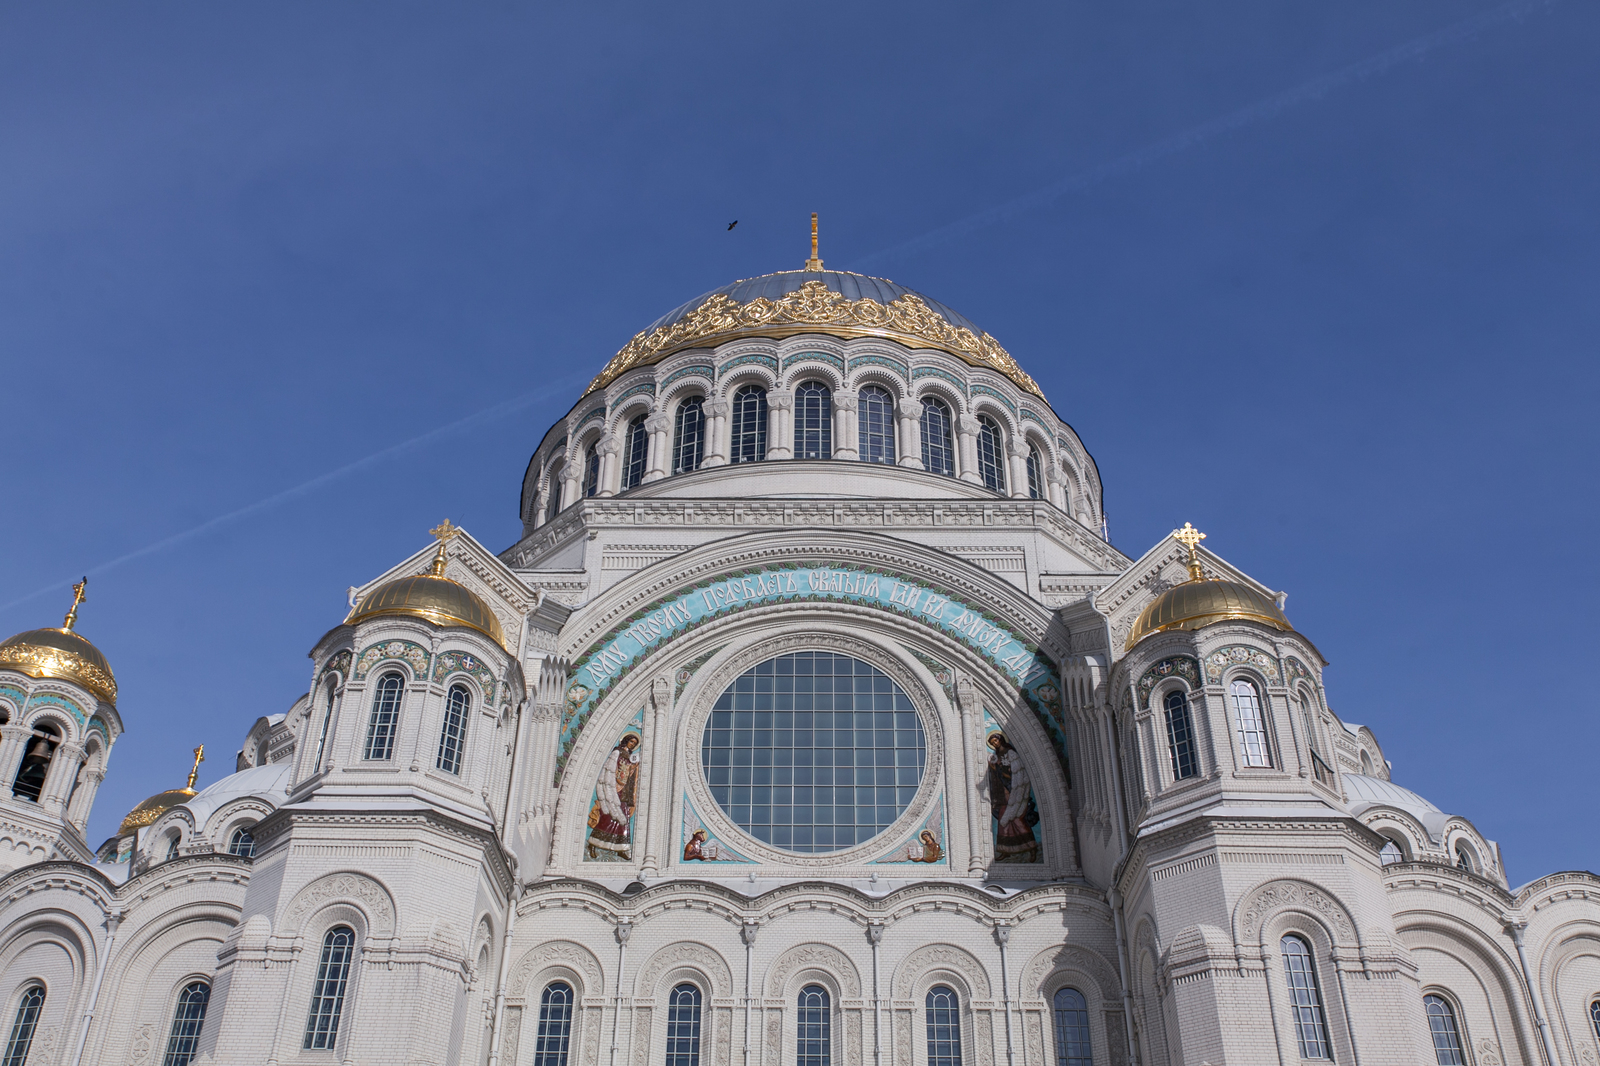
445	532
77	600
1191	537
813	263
194	772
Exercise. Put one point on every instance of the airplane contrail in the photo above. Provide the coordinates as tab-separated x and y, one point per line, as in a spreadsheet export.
1314	89
488	414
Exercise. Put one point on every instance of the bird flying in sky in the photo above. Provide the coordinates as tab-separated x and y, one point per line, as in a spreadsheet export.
734	223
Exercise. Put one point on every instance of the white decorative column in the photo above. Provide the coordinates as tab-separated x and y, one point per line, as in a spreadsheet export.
716	433
13	745
780	424
910	419
83	801
967	449
846	434
571	481
610	473
1056	485
1018	450
658	426
64	764
654	749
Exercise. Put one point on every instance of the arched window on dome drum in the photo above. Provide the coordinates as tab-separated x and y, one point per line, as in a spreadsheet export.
944	1027
453	734
683	1026
814	1028
40	751
938	446
242	843
1464	859
322	737
638	452
591	469
1390	853
385	717
22	1027
1035	474
1305	999
991	455
552	491
1247	718
813	421
554	1034
172	846
1180	737
187	1020
875	423
327	995
1072	1029
689	436
1446	1034
749	441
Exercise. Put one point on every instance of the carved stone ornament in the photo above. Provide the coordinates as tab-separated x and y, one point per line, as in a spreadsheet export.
575	957
1217	662
817	957
1175	666
362	891
686	954
1036	974
940	957
143	1041
907	319
1281	895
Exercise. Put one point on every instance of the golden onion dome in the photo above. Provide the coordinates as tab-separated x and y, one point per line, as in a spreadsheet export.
62	654
431	597
1194	604
154	807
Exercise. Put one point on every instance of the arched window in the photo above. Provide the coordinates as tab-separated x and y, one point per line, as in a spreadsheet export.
1035	474
1252	730
22	1027
1366	764
453	734
327	995
1446	1036
242	843
689	436
591	469
555	1025
1180	737
1304	998
1072	1029
991	455
638	445
813	421
749	425
814	1028
1391	852
944	1027
875	423
385	717
172	846
938	448
683	1026
1464	859
552	491
35	767
187	1019
322	738
1594	1017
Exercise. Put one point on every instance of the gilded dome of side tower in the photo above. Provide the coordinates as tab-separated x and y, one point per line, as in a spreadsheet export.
1203	600
62	654
147	811
432	597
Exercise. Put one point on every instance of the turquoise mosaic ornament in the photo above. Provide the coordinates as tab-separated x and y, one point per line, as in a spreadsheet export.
50	699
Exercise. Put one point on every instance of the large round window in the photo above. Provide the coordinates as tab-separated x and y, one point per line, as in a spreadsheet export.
813	752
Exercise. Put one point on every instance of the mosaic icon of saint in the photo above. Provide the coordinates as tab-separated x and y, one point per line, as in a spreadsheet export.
1011	800
615	797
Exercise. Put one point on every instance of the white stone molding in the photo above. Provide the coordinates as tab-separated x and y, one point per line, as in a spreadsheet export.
912	974
657	973
1257	908
802	961
552	960
364	893
1043	974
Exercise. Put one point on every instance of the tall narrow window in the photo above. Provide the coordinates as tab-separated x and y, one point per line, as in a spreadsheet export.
385	716
638	451
944	1027
749	440
187	1019
27	1020
453	734
1594	1017
242	843
991	455
813	421
555	1025
327	995
552	491
322	737
1035	474
875	422
938	447
689	436
1447	1049
814	1028
683	1026
1247	716
1304	998
1180	737
1072	1029
591	469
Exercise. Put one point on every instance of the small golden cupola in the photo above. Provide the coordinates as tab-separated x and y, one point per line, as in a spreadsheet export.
1202	601
61	654
147	812
432	597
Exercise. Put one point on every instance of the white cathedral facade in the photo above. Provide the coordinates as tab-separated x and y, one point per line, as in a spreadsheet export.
812	721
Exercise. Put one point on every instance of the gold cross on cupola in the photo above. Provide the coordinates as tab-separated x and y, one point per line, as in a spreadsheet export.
1191	537
814	263
444	532
78	597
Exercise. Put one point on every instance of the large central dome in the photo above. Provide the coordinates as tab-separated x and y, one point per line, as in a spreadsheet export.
835	302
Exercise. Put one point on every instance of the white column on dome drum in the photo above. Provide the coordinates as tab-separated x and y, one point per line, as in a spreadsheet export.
13	744
1055	485
780	424
910	420
571	483
659	426
846	432
610	473
716	434
1018	451
63	772
967	449
971	776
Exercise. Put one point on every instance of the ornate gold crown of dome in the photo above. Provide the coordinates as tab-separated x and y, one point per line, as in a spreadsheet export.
1201	601
432	597
814	300
61	653
154	807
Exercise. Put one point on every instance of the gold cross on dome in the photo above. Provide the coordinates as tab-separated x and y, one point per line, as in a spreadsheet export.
445	532
813	264
194	772
1191	538
77	600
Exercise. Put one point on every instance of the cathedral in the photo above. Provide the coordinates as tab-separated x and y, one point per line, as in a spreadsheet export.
812	720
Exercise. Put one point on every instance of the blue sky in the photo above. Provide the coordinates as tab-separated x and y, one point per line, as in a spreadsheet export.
1318	278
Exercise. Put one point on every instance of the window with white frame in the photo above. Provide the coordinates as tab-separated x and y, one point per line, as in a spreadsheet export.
938	444
1072	1029
242	843
991	455
813	1027
748	443
187	1019
172	846
1465	860
1305	998
1447	1050
943	1008
554	1035
813	421
1035	474
875	425
381	727
1391	852
689	436
23	1023
327	994
1247	718
1180	736
683	1026
637	452
453	732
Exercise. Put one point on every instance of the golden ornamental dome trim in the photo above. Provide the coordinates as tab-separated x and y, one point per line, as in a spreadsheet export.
1197	604
149	810
56	653
432	597
810	307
